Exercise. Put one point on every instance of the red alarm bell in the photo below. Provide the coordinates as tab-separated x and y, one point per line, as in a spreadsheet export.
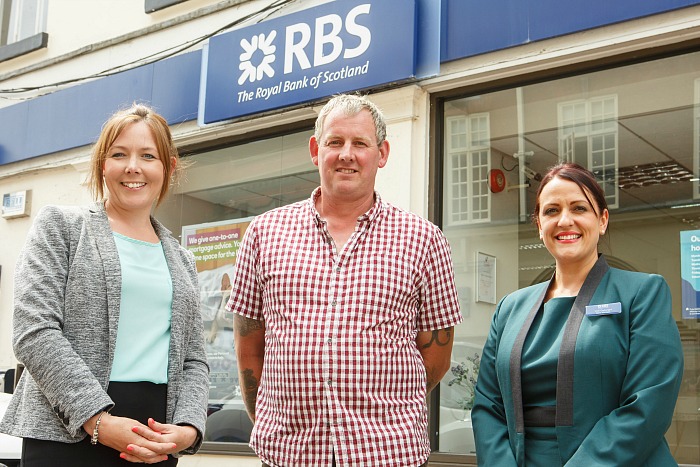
497	180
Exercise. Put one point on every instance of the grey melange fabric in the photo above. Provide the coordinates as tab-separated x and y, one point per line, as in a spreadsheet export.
66	312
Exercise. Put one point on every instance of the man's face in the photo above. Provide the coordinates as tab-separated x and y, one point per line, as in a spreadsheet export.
348	156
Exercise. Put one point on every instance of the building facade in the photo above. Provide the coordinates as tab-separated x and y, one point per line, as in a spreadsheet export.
480	98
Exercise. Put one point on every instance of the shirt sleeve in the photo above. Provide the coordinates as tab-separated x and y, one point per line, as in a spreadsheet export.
246	288
440	304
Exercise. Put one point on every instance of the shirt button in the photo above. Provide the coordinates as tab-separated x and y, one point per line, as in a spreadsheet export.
329	340
329	382
337	269
334	303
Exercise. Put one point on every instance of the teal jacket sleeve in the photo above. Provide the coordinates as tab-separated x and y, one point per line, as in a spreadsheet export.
632	433
493	447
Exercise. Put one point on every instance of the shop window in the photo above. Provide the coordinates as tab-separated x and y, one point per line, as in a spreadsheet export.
642	141
588	136
469	155
22	27
210	209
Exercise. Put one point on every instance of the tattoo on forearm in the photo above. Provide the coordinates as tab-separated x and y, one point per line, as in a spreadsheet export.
247	326
441	337
249	389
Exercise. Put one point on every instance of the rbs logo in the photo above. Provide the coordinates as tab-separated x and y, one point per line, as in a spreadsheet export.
327	45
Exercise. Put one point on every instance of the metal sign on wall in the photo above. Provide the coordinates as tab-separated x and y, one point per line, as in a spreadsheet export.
336	47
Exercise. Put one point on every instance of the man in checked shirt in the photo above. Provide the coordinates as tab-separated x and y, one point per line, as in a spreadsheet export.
344	311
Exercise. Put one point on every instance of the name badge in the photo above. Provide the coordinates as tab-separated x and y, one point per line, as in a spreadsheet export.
604	309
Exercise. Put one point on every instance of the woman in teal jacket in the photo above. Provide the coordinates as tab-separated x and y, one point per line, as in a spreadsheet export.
585	369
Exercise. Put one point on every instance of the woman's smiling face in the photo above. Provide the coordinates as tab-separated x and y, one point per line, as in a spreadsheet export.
569	224
133	170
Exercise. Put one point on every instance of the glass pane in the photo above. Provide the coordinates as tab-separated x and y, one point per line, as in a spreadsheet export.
642	142
221	192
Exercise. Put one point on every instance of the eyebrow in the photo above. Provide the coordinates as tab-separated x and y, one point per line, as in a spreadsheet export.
352	138
144	148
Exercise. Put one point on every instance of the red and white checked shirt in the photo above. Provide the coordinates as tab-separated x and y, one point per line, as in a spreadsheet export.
342	371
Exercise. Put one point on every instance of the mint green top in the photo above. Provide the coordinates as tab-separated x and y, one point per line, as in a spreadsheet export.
143	336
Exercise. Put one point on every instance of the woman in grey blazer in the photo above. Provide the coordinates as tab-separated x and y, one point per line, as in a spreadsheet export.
106	317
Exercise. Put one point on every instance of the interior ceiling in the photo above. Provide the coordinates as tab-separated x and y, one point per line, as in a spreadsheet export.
283	190
655	156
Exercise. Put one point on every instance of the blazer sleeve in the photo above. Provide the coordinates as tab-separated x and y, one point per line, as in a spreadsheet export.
38	341
493	447
193	396
630	434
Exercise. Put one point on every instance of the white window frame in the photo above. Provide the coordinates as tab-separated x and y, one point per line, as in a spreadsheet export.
468	159
594	119
26	18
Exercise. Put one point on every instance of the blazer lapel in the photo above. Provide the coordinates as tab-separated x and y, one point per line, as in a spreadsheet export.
98	227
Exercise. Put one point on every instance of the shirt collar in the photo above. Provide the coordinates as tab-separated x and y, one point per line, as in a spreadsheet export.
368	216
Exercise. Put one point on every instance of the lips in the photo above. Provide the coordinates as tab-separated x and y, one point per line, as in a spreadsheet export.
346	171
568	236
133	184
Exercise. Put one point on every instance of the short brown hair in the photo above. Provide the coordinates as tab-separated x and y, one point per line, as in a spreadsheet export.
111	130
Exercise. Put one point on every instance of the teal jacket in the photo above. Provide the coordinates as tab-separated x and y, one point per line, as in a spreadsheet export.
616	401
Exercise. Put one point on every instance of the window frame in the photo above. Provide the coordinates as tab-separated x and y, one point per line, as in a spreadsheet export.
15	42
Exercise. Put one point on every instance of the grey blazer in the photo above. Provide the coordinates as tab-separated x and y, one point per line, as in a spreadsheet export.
66	312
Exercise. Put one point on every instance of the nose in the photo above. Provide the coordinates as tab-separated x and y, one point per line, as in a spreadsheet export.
565	218
132	165
346	153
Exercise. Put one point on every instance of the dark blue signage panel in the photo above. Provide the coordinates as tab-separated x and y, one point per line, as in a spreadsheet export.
473	27
336	47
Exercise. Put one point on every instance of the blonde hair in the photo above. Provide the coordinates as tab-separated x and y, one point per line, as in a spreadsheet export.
111	130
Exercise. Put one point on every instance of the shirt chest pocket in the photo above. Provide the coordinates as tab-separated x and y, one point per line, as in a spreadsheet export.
386	289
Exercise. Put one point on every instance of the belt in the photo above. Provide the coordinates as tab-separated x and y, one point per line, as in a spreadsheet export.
540	416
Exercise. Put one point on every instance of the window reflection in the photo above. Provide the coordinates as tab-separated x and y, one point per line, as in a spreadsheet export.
637	129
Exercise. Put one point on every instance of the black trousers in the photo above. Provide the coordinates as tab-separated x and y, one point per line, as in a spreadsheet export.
134	400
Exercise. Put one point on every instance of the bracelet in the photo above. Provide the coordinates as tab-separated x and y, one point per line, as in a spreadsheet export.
95	431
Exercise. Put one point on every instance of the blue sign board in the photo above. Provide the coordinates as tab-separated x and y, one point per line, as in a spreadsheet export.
336	47
690	273
473	27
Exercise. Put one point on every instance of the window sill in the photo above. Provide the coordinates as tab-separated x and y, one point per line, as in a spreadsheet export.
19	48
155	5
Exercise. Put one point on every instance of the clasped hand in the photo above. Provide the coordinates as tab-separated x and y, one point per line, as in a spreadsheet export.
141	443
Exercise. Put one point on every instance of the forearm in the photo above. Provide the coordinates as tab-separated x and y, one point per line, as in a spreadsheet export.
436	348
249	340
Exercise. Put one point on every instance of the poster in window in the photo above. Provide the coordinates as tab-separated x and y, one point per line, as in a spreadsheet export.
690	274
215	246
485	278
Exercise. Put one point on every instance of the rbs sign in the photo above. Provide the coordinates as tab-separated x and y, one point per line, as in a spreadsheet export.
337	47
